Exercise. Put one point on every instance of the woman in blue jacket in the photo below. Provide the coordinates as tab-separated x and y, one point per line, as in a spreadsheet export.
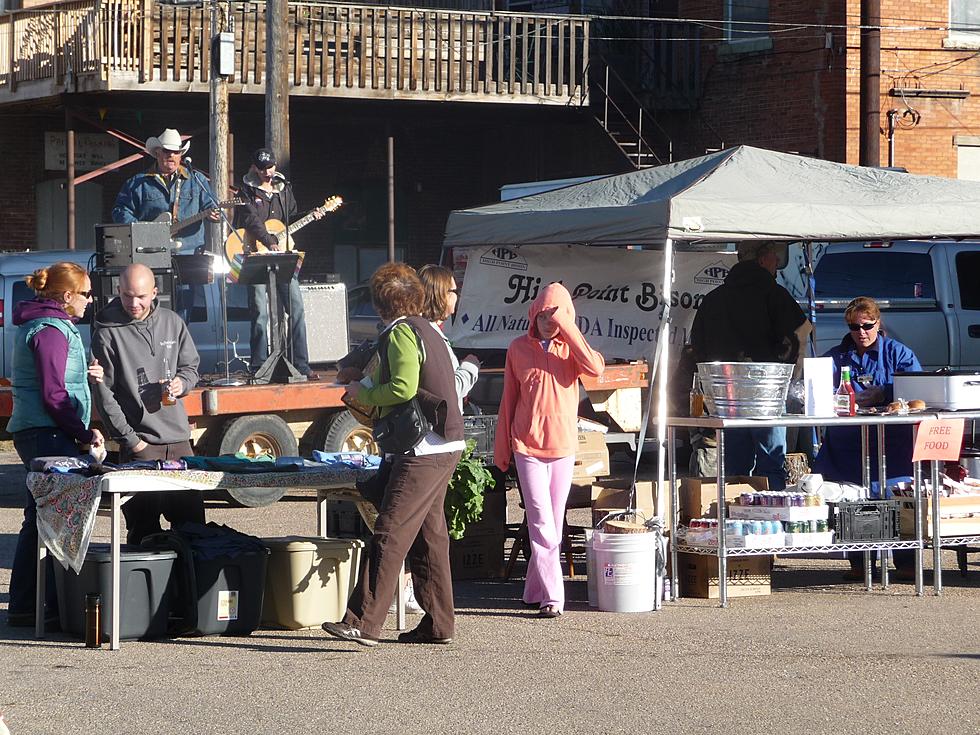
874	359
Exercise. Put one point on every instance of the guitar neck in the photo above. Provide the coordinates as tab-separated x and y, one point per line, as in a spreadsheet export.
297	225
180	225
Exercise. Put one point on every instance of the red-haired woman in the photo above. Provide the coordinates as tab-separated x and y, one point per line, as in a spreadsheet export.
52	403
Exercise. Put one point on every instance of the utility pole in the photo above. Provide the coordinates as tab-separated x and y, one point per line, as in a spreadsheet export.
391	197
219	163
277	80
870	136
70	176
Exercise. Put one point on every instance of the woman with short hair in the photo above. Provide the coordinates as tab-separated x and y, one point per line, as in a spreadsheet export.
52	403
412	519
873	359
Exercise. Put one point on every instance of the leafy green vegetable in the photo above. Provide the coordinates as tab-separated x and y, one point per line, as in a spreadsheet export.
464	496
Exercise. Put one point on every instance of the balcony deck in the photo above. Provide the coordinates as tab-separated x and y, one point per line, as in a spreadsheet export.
336	50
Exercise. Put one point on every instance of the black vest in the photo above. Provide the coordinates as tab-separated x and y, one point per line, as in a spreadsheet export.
437	383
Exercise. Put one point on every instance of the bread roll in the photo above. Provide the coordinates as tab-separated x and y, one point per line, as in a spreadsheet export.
917	404
894	407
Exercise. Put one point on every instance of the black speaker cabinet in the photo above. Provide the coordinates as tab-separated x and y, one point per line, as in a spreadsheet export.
149	243
105	286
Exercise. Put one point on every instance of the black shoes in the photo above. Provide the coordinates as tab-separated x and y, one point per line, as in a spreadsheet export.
417	636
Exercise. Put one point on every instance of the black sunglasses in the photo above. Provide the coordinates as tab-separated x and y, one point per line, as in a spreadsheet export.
454	290
866	326
86	294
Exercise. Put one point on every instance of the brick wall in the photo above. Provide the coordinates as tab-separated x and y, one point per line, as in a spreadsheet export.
800	96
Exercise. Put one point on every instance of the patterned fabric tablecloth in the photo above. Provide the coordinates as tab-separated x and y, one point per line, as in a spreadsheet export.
67	504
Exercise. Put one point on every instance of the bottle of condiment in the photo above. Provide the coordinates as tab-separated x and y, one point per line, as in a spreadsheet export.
844	402
93	621
167	398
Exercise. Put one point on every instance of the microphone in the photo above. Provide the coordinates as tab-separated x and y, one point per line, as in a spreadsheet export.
188	161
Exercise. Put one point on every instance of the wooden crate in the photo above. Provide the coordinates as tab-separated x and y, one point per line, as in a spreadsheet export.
959	515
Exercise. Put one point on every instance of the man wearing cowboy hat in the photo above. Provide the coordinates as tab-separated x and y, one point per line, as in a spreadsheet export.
167	187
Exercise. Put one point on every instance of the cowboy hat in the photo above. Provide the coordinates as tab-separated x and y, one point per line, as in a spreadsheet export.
169	140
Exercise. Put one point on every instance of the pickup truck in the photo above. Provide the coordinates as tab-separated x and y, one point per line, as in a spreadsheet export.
928	291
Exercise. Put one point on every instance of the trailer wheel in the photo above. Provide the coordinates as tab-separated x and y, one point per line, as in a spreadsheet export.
343	433
255	436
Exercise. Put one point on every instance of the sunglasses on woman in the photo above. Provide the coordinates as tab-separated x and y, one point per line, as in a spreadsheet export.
864	327
86	294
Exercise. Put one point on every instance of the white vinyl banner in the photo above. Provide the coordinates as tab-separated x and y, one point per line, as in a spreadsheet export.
617	294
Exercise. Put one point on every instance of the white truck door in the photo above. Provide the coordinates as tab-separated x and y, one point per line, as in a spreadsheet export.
965	287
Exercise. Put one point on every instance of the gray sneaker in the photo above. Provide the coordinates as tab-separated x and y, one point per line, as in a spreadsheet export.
346	633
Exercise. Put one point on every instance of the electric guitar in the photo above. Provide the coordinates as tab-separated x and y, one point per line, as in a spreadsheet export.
183	224
240	242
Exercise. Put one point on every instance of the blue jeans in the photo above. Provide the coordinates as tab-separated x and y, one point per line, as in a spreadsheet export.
290	300
759	451
31	443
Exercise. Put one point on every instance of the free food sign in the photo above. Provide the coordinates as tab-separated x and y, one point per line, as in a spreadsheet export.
618	294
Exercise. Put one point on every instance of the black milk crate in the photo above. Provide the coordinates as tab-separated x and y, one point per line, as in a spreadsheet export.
867	520
482	429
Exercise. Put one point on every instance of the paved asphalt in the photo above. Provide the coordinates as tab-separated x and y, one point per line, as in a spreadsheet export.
817	656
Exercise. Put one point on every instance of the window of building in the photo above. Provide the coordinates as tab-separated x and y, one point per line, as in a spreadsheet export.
964	21
881	275
743	19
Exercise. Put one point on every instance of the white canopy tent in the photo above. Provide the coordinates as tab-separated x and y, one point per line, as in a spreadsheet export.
742	193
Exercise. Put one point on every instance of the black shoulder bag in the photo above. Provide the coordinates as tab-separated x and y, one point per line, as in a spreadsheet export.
401	429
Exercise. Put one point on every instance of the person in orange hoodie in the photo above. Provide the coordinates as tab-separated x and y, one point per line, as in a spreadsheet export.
537	428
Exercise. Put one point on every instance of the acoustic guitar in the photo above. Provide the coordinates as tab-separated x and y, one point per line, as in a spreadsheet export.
240	242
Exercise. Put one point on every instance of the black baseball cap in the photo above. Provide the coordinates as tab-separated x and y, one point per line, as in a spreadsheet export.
264	158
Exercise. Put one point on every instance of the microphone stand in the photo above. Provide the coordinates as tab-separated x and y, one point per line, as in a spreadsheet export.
227	380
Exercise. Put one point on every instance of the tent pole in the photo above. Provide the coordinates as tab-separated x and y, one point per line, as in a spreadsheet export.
661	376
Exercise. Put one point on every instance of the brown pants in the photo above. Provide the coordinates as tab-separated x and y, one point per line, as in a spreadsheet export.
412	524
143	511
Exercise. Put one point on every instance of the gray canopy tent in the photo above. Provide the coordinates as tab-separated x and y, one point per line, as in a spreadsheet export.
742	193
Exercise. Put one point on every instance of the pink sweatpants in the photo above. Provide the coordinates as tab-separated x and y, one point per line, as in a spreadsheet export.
545	484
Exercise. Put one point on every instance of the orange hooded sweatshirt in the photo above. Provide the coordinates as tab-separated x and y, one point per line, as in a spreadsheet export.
539	410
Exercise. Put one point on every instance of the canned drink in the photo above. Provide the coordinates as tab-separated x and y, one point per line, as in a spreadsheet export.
792	526
775	527
822	526
736	528
812	526
745	499
757	527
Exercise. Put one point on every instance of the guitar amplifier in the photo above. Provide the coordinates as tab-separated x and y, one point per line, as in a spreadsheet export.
149	243
325	306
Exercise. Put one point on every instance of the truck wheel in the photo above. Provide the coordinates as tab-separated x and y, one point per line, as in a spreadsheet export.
343	433
254	436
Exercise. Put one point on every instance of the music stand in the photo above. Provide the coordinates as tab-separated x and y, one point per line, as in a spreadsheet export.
268	268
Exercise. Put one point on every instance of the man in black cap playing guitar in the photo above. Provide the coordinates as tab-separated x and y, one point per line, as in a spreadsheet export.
264	225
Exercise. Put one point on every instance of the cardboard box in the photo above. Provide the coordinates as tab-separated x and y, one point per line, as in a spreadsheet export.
748	576
614	496
477	557
494	517
591	456
699	495
959	515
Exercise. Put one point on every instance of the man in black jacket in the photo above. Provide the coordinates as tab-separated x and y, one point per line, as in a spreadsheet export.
270	197
751	318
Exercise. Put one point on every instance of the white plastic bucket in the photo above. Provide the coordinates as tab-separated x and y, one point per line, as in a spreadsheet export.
625	568
590	572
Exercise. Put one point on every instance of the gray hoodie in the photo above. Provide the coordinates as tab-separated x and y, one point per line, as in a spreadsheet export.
135	356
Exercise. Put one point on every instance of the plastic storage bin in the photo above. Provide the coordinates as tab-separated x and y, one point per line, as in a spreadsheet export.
144	591
229	592
483	430
867	520
309	580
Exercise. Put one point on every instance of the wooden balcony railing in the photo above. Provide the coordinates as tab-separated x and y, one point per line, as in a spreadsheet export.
336	49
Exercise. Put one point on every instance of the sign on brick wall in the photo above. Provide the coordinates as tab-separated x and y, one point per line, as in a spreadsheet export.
92	151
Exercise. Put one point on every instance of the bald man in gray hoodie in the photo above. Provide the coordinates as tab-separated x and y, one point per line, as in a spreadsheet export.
147	353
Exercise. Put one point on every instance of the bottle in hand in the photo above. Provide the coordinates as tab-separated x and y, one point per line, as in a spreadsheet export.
844	400
167	398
